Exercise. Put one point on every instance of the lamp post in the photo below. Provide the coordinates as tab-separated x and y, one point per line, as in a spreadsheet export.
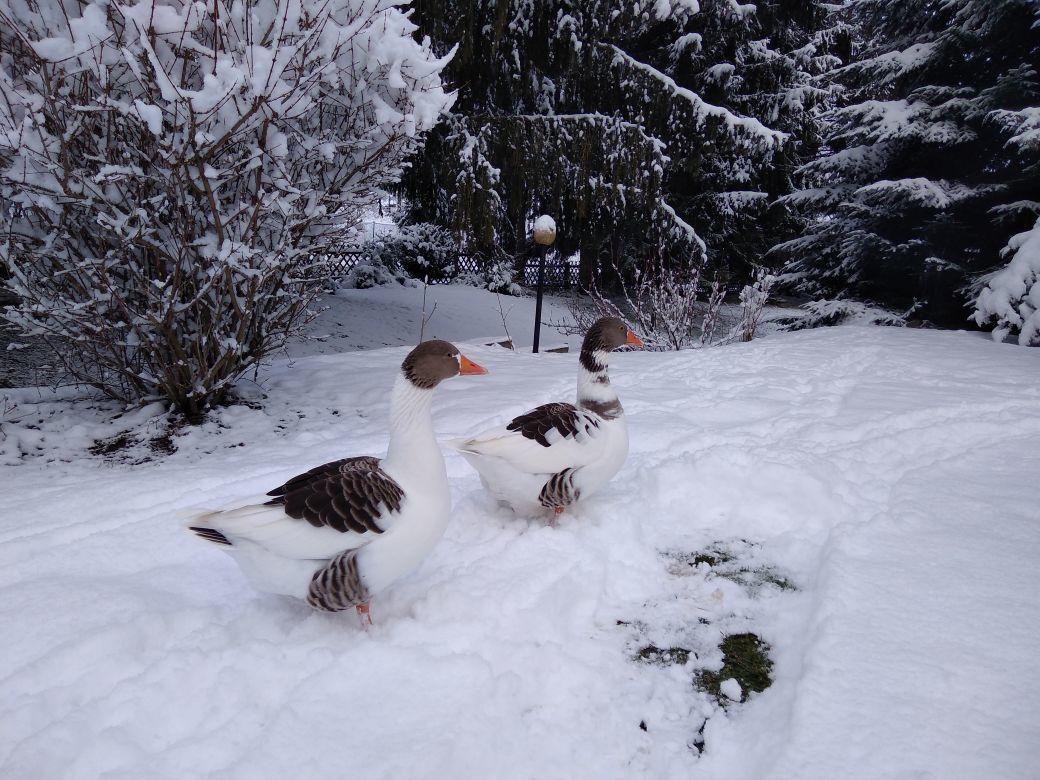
544	234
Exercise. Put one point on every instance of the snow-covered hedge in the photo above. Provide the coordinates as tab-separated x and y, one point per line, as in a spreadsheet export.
168	167
1012	295
496	275
365	276
422	250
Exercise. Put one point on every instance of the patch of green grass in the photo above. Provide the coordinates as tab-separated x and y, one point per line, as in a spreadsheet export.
770	576
663	656
754	578
745	658
724	559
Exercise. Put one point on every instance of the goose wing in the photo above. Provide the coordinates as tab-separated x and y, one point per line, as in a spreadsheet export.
334	507
547	439
349	495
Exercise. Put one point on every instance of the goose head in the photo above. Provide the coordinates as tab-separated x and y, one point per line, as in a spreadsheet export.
605	335
433	361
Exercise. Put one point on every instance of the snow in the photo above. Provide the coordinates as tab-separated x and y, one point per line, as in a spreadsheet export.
545	222
1012	294
1025	123
700	108
894	65
389	316
731	688
918	191
887	473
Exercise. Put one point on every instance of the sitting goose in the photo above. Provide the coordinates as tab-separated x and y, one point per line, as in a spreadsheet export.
555	454
344	531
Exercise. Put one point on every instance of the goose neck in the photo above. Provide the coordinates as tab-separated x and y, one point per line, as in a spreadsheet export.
596	394
411	425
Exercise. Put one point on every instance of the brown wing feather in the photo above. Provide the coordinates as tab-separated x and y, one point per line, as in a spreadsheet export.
347	495
536	423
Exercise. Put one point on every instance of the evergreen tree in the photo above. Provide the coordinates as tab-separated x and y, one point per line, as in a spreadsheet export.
594	112
920	184
761	60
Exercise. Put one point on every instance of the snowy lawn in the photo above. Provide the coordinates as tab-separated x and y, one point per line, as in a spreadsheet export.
390	316
862	499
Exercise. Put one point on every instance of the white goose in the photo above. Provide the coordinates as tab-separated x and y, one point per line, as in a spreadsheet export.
342	532
551	456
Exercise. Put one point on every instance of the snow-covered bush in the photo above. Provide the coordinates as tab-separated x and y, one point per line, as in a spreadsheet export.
1012	294
168	168
496	275
753	299
364	276
422	250
662	304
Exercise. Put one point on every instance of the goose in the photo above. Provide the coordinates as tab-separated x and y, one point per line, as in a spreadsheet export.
551	456
340	533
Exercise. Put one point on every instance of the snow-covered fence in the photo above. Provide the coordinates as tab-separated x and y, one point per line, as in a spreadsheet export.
559	274
339	264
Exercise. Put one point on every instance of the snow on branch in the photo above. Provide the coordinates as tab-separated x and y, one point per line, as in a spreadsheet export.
1025	124
892	65
928	193
701	109
878	121
1012	295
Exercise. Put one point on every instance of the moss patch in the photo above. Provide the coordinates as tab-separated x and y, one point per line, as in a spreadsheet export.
728	560
663	656
754	578
745	658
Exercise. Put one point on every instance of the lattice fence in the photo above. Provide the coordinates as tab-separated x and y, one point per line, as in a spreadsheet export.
559	275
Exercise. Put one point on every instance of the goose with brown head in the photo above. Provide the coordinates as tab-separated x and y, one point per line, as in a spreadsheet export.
558	453
322	536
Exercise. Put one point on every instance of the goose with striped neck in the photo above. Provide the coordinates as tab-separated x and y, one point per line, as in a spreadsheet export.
554	455
342	532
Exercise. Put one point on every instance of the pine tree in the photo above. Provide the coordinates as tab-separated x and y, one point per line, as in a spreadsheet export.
920	185
594	112
761	60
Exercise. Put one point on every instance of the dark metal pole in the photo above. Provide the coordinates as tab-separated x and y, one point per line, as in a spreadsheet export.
538	299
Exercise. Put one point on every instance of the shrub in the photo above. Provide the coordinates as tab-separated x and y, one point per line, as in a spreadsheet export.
168	168
422	250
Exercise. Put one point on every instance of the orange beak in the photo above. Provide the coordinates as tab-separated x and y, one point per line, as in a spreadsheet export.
633	339
468	368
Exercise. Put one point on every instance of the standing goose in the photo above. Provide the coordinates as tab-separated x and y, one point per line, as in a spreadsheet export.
342	532
551	456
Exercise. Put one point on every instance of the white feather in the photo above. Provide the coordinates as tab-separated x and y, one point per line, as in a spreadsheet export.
280	554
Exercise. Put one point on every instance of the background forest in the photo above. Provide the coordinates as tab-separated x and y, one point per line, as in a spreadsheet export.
870	150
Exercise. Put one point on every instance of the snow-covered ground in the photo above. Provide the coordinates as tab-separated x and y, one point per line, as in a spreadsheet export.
391	316
889	475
